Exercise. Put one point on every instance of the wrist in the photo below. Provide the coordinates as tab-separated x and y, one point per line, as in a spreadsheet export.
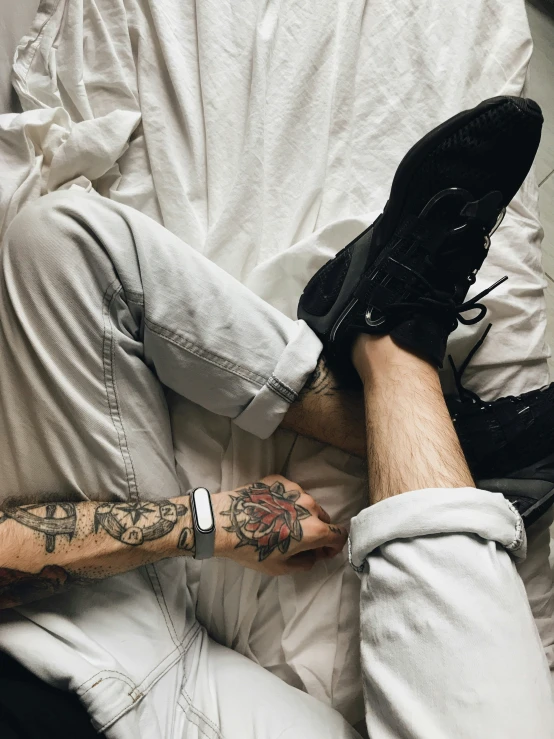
183	539
224	540
180	542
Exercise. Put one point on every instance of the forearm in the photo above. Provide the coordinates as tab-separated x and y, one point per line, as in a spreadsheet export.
329	412
271	525
45	549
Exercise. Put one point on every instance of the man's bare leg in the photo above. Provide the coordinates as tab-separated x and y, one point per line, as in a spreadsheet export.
329	411
448	643
411	442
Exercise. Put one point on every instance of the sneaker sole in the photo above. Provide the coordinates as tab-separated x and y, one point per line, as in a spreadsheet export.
534	482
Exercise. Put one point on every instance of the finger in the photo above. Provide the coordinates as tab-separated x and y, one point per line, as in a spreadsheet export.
333	537
318	534
323	515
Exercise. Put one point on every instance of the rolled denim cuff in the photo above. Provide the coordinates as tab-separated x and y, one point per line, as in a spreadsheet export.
298	360
433	512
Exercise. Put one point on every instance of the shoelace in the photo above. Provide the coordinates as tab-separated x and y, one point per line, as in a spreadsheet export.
464	394
441	299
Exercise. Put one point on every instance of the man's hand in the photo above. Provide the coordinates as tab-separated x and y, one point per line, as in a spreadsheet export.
275	527
272	526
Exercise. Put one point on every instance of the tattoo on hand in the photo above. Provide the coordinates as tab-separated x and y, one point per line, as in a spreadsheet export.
50	519
334	529
266	518
134	522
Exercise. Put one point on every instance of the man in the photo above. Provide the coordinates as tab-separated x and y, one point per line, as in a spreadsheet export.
93	323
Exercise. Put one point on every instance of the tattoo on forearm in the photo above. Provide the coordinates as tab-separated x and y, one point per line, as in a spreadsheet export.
186	540
321	382
266	518
134	522
131	523
50	519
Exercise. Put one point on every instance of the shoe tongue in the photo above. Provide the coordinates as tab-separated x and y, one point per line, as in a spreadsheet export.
457	225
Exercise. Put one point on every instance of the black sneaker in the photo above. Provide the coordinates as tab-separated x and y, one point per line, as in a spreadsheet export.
408	274
509	446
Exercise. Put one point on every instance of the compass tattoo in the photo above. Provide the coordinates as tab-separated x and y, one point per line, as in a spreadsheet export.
134	522
130	523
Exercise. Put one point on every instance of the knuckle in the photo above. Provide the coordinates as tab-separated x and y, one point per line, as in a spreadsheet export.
308	502
322	531
270	479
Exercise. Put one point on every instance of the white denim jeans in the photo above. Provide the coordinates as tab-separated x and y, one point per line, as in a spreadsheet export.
100	308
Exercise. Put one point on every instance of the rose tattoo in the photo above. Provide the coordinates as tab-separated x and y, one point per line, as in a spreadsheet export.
266	518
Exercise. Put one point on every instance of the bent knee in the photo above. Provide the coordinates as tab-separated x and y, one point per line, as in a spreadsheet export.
36	221
47	235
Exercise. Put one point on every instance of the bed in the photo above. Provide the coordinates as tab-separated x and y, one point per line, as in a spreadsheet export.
265	135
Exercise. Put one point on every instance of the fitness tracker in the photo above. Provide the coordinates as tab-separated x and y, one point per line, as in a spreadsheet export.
203	522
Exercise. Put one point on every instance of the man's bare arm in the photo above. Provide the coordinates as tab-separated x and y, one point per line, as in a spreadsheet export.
328	411
271	525
47	547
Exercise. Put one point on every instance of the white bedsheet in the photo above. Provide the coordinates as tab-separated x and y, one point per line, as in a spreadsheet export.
265	134
15	19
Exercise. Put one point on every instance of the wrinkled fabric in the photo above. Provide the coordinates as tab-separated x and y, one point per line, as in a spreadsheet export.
265	135
100	305
449	646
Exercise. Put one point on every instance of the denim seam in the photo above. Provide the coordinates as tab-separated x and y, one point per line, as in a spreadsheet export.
140	689
108	360
283	390
111	676
200	714
112	721
116	396
151	571
356	568
134	297
215	359
181	650
516	543
192	716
